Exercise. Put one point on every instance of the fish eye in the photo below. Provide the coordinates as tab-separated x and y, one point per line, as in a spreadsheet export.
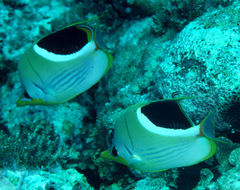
114	151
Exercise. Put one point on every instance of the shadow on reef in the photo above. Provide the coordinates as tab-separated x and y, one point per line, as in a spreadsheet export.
190	176
92	177
95	180
231	116
4	71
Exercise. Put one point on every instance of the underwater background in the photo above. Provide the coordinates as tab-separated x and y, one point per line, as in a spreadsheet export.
161	49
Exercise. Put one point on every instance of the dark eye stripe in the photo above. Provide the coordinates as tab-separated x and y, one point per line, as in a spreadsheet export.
129	152
128	132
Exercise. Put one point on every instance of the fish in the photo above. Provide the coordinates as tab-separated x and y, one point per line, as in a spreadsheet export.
62	65
158	135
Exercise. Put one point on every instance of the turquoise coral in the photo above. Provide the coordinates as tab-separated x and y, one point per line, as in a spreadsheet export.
33	179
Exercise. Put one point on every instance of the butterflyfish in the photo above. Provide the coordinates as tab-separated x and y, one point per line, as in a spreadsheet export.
62	65
158	135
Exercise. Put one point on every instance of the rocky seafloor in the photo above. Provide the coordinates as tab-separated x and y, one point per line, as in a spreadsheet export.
160	48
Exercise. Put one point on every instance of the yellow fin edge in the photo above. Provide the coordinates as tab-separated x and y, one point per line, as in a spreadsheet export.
33	101
106	155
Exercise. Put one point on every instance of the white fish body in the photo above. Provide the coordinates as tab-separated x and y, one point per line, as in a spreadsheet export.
55	77
140	144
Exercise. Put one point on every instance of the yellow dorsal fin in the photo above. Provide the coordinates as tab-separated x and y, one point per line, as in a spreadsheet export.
207	126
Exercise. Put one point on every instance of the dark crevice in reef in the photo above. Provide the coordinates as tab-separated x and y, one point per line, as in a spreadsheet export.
14	4
232	135
4	74
4	128
120	8
190	176
92	177
231	115
91	118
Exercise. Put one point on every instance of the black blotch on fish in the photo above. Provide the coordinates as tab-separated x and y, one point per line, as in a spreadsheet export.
167	114
64	42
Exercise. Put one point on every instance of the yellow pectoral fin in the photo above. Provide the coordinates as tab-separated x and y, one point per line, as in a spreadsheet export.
108	156
110	60
26	101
